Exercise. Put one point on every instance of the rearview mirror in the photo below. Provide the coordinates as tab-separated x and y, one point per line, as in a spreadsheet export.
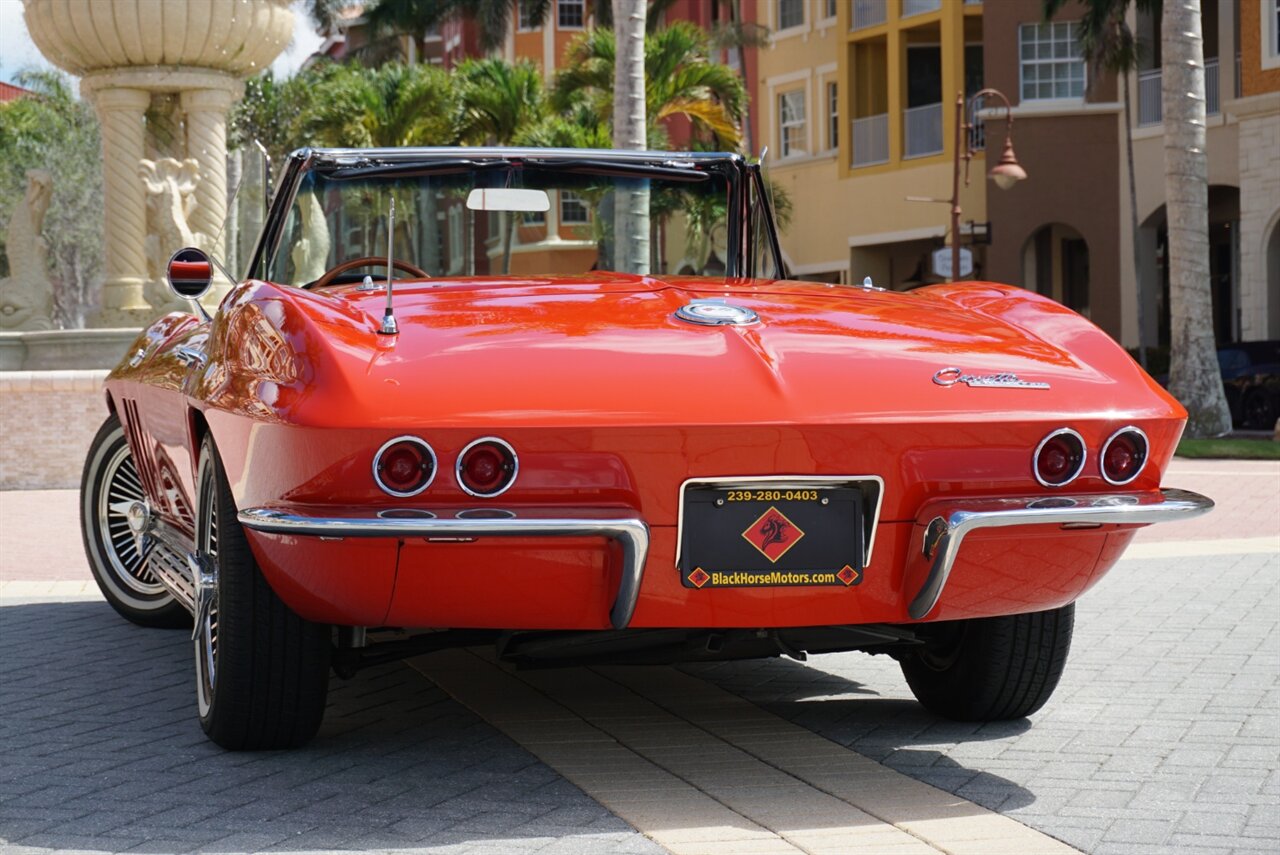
508	199
190	273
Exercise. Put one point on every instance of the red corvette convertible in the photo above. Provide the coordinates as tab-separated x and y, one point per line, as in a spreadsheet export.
458	399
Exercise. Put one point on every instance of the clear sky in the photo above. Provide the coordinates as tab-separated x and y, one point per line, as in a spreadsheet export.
18	52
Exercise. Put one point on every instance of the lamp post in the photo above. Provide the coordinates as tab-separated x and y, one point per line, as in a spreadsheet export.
1005	174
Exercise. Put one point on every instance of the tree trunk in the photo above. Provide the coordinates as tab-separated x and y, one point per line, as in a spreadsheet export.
508	235
1194	378
631	219
1133	220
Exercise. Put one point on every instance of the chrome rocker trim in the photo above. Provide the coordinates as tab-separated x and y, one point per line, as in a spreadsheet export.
941	526
630	533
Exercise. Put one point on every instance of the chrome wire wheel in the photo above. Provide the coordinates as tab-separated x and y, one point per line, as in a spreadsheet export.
117	526
206	628
119	490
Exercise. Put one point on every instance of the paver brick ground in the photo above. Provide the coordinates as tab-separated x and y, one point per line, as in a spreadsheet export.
102	752
1163	736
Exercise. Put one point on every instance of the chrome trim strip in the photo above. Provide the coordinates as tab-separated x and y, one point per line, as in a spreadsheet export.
784	482
942	525
457	466
167	560
435	465
630	533
1146	453
1035	458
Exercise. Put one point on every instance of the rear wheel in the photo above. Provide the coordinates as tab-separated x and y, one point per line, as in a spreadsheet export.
109	489
988	669
262	672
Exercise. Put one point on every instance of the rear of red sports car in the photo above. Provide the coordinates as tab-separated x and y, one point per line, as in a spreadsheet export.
591	466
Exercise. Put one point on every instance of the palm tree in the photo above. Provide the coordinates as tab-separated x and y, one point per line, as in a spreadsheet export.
1108	44
499	100
680	79
631	206
1194	376
395	105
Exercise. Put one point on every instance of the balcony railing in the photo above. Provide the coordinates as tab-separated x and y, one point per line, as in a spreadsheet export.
922	130
919	7
871	140
1150	109
868	13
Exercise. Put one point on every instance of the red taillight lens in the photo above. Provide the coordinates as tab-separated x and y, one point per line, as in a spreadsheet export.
1059	458
1124	456
404	466
487	467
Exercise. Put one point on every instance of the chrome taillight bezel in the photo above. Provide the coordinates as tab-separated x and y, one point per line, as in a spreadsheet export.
1035	457
416	440
487	440
1146	454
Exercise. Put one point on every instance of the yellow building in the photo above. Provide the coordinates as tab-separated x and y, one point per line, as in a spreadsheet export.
857	106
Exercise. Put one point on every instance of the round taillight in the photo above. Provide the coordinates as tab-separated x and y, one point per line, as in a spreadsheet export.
404	466
1059	458
487	467
1124	455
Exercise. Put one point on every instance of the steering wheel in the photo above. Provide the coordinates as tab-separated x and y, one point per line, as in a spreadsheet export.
368	261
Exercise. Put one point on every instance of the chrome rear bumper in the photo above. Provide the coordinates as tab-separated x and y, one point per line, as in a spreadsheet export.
630	533
941	526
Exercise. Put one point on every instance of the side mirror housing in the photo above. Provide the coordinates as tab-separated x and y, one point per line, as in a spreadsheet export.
190	273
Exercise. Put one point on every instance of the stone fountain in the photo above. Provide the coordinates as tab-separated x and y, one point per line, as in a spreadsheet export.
161	76
148	67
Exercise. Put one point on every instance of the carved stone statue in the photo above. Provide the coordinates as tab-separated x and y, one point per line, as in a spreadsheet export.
171	186
26	296
310	254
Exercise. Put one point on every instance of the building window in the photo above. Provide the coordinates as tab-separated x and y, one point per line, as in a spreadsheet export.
1051	63
571	14
1270	34
527	21
573	210
828	9
833	116
533	218
790	14
791	130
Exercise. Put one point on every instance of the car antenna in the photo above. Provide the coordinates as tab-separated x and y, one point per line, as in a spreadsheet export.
389	326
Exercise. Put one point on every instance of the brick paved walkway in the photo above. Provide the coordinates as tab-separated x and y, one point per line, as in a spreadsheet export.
1163	737
101	752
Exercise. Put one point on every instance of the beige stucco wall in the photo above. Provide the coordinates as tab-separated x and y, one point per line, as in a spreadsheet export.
47	419
839	214
1259	212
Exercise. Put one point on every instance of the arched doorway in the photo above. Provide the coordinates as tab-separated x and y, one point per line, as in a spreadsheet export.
1055	262
1224	264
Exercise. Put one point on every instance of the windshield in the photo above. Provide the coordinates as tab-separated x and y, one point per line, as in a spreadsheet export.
494	218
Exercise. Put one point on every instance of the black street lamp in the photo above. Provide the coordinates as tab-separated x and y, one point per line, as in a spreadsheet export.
1005	174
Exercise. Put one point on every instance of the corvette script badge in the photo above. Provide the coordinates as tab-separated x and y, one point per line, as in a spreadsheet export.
952	376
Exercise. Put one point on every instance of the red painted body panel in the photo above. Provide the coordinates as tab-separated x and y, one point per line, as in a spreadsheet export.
612	402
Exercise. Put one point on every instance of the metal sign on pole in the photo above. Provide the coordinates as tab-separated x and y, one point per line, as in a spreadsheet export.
941	262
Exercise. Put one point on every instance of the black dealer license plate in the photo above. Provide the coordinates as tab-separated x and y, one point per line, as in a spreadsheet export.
764	536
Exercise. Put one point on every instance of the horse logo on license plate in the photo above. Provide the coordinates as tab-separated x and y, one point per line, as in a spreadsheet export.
773	534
